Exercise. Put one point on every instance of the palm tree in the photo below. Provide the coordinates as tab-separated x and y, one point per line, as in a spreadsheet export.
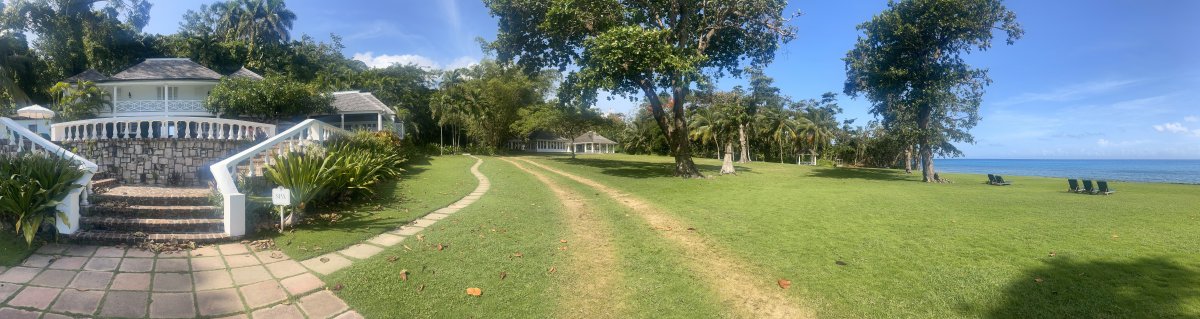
821	130
782	126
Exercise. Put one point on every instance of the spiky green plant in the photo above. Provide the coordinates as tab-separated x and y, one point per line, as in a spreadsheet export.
36	183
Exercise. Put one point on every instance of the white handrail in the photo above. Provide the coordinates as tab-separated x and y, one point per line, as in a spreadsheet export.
143	127
21	136
234	201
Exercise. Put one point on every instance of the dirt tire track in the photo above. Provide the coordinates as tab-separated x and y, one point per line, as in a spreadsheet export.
749	295
592	293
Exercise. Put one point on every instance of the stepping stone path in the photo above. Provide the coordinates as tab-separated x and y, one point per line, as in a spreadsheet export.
218	281
332	262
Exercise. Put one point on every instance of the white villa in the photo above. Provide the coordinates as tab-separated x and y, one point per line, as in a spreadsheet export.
156	156
544	142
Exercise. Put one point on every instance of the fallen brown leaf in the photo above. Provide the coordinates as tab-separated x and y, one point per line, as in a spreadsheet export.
440	247
474	291
1038	280
338	287
518	255
552	269
404	275
784	283
503	275
421	237
1052	254
407	248
562	241
562	248
421	288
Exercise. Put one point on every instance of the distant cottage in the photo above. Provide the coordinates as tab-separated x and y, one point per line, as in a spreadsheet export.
545	142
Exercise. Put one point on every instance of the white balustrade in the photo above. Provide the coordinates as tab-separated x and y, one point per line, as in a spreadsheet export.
119	128
293	139
16	137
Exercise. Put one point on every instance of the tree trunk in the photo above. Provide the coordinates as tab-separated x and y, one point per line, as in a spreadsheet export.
908	159
675	128
441	141
727	164
813	152
924	119
745	144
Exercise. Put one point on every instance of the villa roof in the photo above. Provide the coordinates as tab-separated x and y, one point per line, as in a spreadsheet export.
245	73
167	69
593	137
91	75
359	102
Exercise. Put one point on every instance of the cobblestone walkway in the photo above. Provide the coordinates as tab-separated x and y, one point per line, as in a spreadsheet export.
231	280
331	262
221	281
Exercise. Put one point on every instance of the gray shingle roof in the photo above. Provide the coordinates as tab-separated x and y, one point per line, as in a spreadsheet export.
91	75
167	69
245	73
593	137
358	102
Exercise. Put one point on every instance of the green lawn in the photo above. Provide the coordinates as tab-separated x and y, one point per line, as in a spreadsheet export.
13	249
426	186
951	250
515	217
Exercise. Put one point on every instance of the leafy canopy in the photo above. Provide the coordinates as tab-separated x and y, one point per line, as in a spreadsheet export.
271	99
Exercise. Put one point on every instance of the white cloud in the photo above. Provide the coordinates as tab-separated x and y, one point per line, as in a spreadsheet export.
1192	119
1069	93
462	62
1172	128
1103	143
386	60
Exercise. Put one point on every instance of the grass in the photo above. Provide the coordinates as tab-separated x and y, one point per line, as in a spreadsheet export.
13	249
427	184
951	250
516	216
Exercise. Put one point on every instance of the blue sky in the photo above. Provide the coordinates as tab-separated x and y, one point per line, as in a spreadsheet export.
1090	79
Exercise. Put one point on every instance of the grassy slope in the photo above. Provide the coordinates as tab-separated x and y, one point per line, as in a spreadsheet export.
426	186
516	216
13	249
959	250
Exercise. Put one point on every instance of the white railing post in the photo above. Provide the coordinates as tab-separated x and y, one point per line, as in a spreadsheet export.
158	127
234	204
70	206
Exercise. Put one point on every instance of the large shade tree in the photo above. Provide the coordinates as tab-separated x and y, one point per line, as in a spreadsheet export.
909	62
644	48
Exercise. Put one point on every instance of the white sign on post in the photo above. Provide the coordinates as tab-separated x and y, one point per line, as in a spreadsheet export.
281	196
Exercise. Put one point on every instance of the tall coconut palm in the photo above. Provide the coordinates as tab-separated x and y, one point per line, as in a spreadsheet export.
821	129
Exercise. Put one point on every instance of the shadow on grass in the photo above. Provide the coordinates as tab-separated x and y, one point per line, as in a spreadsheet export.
1144	288
638	169
860	173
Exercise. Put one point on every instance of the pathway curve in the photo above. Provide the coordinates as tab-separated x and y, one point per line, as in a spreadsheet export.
592	292
735	281
221	281
332	262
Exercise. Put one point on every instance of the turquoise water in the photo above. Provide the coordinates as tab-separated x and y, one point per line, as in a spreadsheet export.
1154	171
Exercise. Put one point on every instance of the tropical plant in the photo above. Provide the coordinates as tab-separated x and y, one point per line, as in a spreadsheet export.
79	101
307	174
268	100
34	185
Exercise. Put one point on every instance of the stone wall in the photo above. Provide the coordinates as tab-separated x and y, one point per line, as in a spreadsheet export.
168	162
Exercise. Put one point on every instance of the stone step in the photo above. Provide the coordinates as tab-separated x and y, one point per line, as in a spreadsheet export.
149	211
154	196
115	237
105	183
154	225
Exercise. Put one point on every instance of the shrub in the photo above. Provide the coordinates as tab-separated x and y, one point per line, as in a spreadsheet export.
35	183
345	168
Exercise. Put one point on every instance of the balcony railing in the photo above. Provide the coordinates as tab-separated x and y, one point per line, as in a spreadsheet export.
159	106
120	128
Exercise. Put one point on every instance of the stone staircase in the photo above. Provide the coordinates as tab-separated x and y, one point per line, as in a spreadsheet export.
131	214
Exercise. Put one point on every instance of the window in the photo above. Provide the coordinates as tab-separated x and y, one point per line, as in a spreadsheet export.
173	90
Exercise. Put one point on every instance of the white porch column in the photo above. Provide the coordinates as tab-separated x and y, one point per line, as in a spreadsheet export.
343	121
378	122
113	107
166	101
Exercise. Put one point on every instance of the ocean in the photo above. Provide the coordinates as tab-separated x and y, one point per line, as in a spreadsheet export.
1152	171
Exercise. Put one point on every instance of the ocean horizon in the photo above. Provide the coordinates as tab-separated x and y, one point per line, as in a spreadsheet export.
1175	171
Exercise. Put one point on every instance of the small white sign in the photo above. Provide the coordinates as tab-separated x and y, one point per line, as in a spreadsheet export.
281	196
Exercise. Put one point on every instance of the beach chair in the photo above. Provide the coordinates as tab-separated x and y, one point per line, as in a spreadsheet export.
1087	187
1000	181
991	179
1074	183
1104	190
